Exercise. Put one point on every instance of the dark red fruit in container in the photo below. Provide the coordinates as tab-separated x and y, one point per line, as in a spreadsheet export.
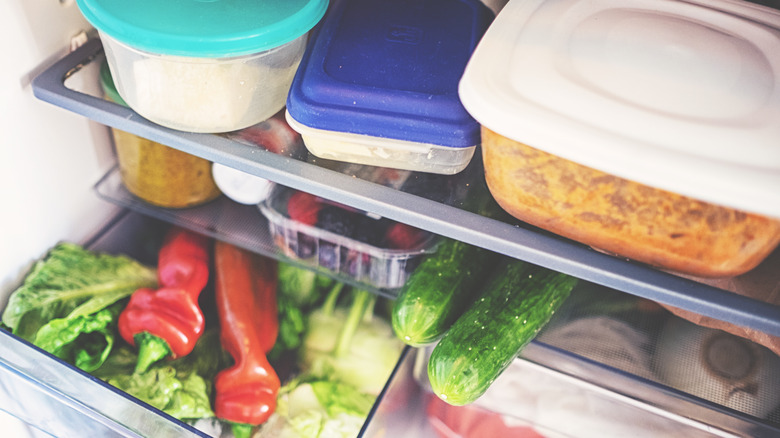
304	208
402	236
274	135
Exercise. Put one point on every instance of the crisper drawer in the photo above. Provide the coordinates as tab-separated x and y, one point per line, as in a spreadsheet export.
64	401
554	405
607	364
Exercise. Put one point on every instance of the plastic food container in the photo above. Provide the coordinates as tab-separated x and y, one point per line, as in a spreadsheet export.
648	131
354	244
156	173
203	66
378	86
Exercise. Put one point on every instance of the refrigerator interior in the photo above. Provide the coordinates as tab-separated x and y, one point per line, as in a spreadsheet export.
77	201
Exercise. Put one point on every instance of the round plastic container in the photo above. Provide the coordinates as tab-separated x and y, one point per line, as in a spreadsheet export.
156	173
207	65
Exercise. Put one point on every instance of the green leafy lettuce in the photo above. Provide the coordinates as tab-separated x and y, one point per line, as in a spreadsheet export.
298	291
181	388
66	303
84	340
321	408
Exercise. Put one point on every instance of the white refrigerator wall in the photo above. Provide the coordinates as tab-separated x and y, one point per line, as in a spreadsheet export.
49	158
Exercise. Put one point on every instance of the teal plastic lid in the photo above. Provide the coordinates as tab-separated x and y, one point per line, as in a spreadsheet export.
203	28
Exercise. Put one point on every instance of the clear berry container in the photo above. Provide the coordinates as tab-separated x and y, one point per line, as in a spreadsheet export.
348	242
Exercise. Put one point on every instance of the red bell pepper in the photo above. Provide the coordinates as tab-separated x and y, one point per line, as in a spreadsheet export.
168	321
246	304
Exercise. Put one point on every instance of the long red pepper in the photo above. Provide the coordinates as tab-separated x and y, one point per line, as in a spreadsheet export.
168	321
246	304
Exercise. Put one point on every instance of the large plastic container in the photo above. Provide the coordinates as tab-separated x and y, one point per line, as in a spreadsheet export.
648	130
204	66
158	174
379	84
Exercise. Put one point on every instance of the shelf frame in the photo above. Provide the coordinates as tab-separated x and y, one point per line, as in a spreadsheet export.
527	244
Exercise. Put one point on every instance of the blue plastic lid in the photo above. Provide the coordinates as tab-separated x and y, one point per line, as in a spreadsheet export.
391	69
203	28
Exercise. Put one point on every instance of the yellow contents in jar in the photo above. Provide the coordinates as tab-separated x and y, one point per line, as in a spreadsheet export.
161	175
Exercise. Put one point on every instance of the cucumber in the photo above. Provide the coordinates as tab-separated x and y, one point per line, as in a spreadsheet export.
439	291
447	281
518	301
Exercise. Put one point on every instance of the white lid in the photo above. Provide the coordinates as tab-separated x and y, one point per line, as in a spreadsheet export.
679	95
240	186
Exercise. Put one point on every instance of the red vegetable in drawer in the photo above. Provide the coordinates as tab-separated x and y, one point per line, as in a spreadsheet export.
472	422
168	321
246	305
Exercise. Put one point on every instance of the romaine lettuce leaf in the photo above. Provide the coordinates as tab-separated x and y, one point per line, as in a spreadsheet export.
70	301
70	282
321	409
83	340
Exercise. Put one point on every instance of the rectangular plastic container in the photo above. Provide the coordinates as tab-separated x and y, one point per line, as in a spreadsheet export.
378	85
362	247
643	132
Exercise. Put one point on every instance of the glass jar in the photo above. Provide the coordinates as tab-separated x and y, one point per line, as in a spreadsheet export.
156	173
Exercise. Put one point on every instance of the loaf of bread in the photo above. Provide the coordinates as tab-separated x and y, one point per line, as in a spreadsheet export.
623	217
